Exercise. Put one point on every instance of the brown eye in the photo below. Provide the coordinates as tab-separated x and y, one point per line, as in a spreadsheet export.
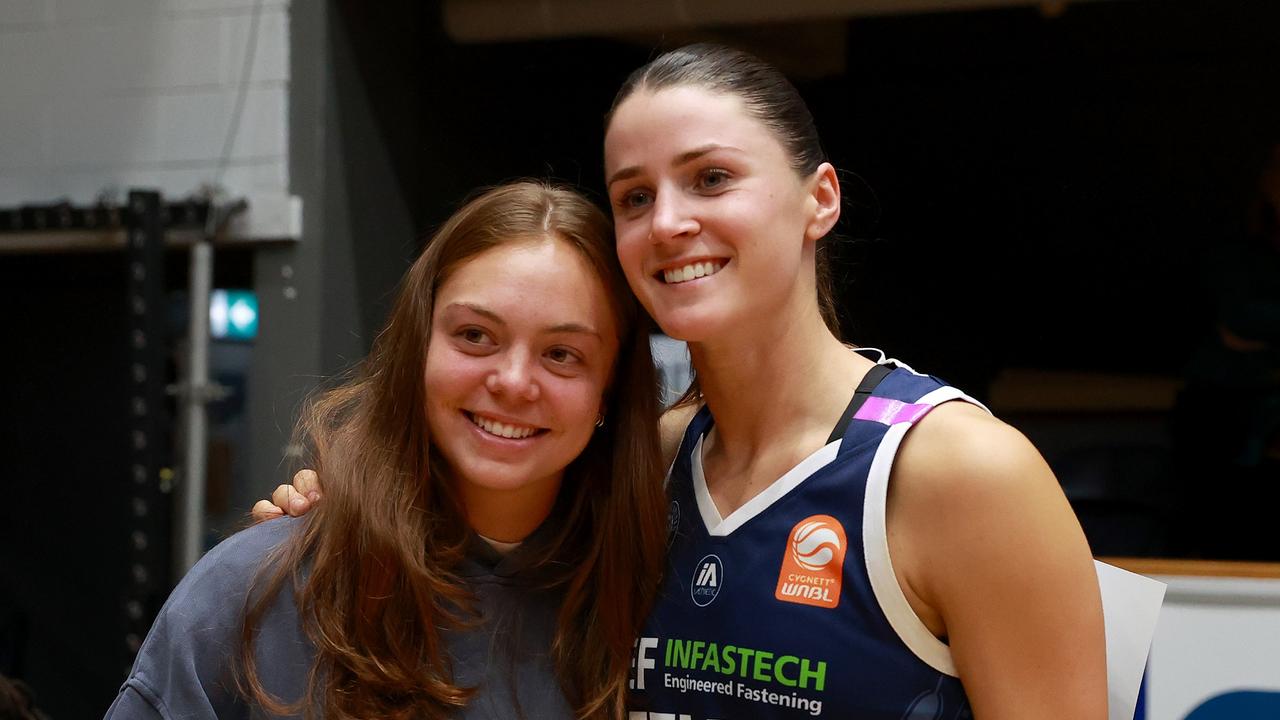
636	199
562	356
474	335
712	179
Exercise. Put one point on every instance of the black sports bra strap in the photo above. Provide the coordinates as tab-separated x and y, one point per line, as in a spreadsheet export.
865	388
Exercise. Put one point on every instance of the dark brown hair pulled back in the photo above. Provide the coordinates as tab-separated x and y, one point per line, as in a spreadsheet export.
767	95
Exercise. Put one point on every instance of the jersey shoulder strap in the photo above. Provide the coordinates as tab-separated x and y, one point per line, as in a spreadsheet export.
865	388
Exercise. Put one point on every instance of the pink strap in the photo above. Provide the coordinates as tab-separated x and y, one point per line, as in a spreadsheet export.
891	412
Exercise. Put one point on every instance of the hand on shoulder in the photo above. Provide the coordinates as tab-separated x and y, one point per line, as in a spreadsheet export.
294	500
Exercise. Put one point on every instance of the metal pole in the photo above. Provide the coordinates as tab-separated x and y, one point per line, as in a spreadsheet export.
192	487
149	550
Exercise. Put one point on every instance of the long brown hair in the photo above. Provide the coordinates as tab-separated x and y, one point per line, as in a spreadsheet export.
372	570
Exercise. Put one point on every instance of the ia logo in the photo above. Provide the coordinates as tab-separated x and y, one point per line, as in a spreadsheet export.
707	578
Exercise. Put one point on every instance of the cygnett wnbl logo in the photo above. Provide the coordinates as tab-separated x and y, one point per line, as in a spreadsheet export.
813	563
708	575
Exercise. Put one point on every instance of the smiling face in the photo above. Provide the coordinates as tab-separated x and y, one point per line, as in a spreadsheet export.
522	345
715	229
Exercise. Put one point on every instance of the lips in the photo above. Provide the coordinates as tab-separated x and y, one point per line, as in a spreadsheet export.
498	428
690	271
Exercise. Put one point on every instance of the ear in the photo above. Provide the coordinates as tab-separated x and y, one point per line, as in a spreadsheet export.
824	189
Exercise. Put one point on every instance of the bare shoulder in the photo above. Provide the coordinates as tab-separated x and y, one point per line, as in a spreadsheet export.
959	450
671	430
969	488
986	546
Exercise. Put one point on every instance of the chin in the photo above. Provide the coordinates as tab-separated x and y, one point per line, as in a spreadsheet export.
493	480
500	486
693	325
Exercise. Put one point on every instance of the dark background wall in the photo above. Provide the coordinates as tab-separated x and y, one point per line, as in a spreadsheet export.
1023	191
1048	186
65	458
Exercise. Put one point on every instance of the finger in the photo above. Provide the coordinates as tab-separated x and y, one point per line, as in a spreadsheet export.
307	482
280	498
264	510
298	505
290	500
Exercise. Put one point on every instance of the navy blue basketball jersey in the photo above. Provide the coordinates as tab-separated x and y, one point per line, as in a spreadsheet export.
789	607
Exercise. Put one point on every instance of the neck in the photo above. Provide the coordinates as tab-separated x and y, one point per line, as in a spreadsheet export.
784	380
509	515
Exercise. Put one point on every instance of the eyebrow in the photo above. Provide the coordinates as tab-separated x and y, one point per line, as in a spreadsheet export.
569	327
683	158
477	309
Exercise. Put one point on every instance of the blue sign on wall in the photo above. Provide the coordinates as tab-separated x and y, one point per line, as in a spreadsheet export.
233	314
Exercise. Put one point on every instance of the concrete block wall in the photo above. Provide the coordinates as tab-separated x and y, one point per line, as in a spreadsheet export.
98	95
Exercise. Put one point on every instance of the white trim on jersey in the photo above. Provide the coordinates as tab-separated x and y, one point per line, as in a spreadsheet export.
718	527
875	543
884	582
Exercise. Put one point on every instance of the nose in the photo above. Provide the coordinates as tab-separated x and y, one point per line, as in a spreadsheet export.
672	216
513	376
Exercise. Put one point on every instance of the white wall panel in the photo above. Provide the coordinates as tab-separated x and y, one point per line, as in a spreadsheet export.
26	68
271	60
264	128
194	127
27	184
180	53
88	11
140	92
226	6
25	135
24	12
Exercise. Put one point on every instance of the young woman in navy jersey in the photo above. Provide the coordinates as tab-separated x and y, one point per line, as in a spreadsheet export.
849	538
957	529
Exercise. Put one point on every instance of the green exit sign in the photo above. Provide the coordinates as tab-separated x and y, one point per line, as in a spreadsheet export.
233	314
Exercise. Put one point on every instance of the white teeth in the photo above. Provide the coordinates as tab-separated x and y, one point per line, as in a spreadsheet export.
691	271
493	427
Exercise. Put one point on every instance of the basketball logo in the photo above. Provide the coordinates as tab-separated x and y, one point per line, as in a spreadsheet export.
814	544
813	563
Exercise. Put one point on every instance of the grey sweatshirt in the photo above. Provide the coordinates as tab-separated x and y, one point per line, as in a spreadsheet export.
184	667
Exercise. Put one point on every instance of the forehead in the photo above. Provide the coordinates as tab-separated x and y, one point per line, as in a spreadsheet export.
545	279
672	120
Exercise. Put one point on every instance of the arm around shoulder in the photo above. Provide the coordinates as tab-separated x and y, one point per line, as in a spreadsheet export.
671	429
983	537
